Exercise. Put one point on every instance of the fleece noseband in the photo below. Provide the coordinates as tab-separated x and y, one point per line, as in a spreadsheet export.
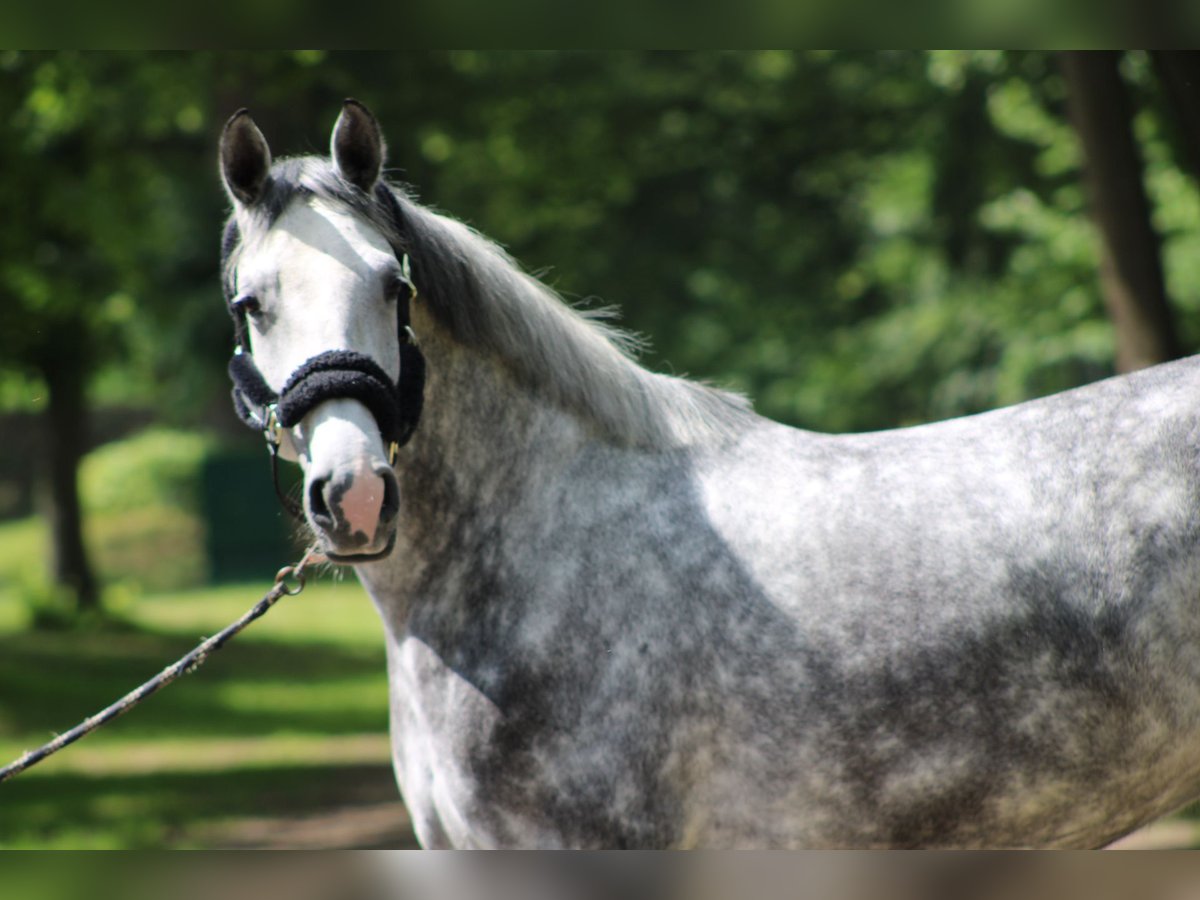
334	374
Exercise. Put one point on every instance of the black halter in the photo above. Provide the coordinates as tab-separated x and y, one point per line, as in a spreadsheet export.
334	374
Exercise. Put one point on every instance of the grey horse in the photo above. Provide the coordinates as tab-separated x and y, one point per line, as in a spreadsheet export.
622	610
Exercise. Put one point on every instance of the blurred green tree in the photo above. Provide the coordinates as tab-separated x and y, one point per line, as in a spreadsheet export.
94	150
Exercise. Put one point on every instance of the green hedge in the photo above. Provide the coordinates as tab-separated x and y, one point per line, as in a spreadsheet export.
141	502
156	467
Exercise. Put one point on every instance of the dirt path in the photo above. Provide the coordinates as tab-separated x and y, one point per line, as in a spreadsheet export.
368	827
1170	834
359	808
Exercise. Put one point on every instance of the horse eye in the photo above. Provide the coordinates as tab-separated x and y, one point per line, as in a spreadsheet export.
247	304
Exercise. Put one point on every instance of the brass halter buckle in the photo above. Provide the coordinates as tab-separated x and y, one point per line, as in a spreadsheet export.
272	430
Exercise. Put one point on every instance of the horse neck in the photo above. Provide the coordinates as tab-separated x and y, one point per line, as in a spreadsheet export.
483	439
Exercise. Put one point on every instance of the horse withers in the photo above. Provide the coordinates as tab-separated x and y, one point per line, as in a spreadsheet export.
622	610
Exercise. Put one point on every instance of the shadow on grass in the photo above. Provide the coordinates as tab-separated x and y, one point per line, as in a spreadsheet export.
49	681
181	809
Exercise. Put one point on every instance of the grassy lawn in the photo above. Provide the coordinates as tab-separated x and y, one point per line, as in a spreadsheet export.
287	724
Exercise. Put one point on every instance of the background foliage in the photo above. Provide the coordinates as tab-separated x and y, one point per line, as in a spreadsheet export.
857	240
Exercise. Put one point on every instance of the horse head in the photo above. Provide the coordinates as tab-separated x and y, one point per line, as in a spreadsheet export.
319	293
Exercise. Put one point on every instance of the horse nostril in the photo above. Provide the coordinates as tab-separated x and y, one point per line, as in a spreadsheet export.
391	498
317	506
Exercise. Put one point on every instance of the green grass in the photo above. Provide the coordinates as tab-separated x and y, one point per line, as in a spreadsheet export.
289	719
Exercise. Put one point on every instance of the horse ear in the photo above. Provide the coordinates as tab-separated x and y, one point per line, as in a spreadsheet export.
245	158
357	146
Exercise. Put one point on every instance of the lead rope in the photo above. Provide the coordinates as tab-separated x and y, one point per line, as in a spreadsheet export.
289	580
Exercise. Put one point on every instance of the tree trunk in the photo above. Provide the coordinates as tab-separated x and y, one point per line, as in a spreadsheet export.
66	434
1179	73
1131	270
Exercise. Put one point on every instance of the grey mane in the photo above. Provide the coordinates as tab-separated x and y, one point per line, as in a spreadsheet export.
482	297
